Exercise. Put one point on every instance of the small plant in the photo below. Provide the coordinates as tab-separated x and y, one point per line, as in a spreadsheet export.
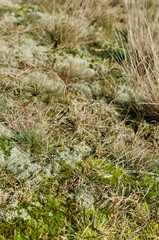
33	139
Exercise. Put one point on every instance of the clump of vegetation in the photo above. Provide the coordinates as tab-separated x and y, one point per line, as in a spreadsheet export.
71	23
142	57
79	120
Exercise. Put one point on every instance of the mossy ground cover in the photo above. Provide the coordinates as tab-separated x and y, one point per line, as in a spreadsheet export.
78	155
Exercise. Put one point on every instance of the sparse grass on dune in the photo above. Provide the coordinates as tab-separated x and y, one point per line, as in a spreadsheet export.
78	153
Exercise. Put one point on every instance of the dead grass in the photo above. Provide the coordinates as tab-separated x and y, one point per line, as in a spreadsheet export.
70	22
142	51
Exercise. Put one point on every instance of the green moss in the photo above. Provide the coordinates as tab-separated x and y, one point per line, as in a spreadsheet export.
51	216
54	210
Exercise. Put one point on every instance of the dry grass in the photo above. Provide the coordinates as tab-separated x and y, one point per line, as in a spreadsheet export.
70	21
142	52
